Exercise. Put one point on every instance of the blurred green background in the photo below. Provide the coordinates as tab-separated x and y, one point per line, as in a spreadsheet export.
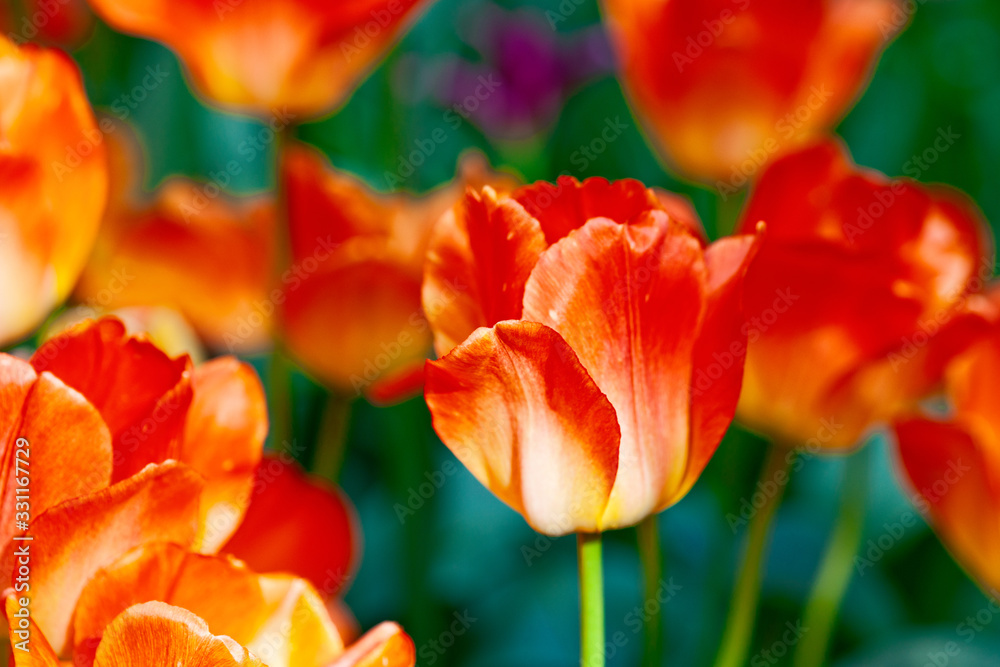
460	551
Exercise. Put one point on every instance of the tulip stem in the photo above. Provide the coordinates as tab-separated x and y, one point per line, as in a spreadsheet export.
282	416
332	437
652	575
837	566
588	547
746	594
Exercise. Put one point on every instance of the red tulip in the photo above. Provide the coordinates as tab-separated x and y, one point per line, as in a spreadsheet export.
576	317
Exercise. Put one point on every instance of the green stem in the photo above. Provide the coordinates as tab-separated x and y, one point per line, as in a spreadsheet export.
837	567
282	417
746	593
588	549
332	438
652	575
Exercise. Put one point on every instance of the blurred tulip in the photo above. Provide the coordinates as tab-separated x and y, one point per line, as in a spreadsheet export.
303	57
725	86
863	290
55	182
141	468
571	320
62	23
350	302
953	462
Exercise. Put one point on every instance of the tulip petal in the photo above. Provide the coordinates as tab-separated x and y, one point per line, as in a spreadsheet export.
566	205
628	299
479	260
385	645
517	408
38	652
223	441
74	540
298	630
956	483
221	591
142	394
69	448
156	634
300	525
719	354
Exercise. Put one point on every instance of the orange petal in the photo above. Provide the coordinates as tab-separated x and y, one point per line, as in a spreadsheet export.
298	630
568	204
223	441
221	591
957	484
291	58
515	405
159	634
385	645
67	452
478	262
142	394
55	183
300	525
721	98
74	540
844	242
628	299
35	651
357	324
719	353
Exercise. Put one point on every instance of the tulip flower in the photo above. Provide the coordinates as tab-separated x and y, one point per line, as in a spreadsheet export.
951	462
55	182
572	320
351	311
725	86
860	295
141	468
301	56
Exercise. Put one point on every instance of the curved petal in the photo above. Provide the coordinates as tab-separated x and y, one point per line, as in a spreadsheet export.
300	525
223	441
298	631
158	634
478	262
220	590
55	184
35	651
566	205
628	299
142	394
74	540
67	452
385	645
719	354
515	406
957	484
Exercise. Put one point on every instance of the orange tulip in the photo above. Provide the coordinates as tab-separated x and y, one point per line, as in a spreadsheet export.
298	56
191	248
351	300
953	463
54	173
141	467
863	290
577	317
724	86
